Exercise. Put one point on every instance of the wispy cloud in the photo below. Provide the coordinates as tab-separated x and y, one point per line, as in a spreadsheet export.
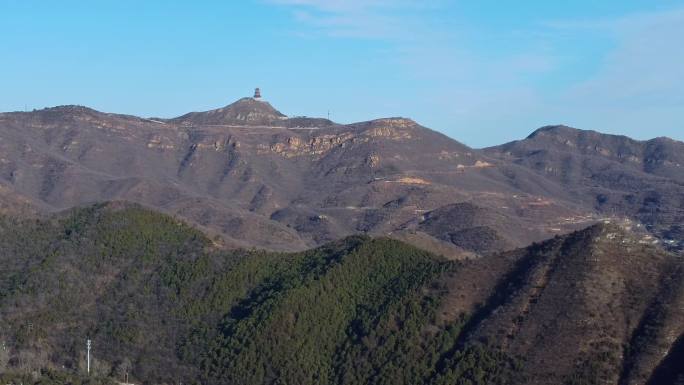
634	79
357	18
423	42
346	5
645	66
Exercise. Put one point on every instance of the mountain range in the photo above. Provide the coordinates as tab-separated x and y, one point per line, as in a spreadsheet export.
243	246
254	177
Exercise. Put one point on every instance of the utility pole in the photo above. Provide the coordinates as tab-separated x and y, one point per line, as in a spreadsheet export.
88	344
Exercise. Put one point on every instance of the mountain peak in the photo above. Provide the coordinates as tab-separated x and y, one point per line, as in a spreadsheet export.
245	111
558	129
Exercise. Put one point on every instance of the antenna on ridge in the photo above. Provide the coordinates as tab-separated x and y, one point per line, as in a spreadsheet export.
88	345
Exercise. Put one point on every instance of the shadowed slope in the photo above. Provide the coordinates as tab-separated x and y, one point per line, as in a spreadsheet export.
159	301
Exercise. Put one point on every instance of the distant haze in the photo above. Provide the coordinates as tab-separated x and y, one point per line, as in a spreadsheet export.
481	72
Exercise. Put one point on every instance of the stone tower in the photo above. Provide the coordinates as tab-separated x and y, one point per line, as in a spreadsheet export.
257	93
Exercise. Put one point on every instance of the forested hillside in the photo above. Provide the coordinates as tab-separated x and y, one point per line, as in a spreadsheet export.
162	303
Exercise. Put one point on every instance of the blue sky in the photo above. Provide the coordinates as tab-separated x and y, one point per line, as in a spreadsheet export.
483	72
